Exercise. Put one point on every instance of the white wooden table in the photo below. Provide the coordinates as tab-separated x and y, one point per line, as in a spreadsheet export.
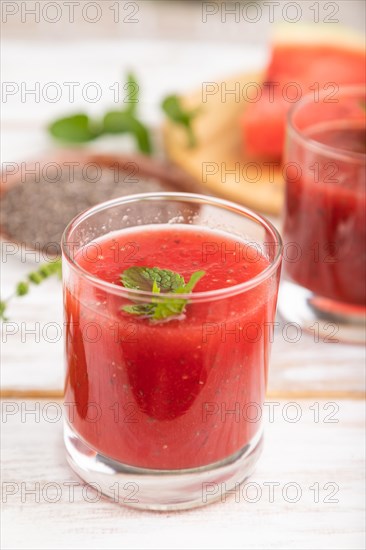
318	461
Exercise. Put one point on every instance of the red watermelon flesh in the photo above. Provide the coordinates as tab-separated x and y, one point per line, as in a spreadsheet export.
309	64
263	126
312	67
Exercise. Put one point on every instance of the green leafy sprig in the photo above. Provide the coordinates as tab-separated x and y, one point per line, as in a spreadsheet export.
22	288
159	281
173	108
80	128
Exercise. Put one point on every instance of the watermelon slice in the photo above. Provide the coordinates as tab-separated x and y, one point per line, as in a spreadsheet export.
304	60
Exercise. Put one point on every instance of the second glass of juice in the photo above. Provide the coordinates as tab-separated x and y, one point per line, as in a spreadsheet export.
165	386
325	216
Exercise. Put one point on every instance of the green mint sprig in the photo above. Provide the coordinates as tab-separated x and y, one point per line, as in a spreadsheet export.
173	108
35	277
80	128
159	281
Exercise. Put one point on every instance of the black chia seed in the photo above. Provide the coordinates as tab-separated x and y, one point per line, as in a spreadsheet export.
36	212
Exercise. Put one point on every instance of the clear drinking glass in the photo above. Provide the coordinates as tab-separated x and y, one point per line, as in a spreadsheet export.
167	415
324	221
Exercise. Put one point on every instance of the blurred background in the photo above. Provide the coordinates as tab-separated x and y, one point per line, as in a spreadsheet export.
171	45
172	19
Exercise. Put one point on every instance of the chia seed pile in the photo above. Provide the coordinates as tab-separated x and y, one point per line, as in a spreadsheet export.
36	212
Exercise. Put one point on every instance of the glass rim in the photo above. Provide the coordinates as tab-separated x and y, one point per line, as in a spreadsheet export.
172	195
329	150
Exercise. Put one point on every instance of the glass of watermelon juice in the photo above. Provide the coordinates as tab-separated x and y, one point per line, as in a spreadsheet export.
325	221
169	302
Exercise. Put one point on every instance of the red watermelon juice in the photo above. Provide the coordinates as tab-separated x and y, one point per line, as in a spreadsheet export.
325	213
180	392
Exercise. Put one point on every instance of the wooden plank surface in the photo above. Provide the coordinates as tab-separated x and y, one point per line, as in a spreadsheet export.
303	454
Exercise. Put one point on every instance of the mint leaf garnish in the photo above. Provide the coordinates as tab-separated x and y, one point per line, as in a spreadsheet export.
158	281
195	277
142	278
140	309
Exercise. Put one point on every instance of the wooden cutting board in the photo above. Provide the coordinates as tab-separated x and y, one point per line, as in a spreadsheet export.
218	163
